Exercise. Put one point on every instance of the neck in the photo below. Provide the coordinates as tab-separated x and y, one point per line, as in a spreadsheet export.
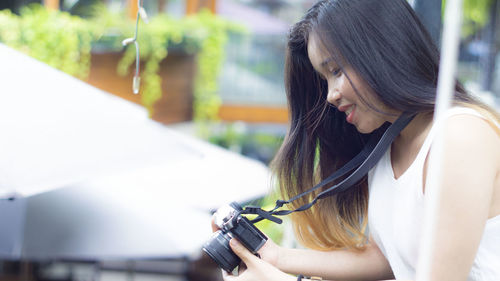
416	127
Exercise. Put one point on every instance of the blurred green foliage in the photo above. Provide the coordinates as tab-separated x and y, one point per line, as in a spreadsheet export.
261	146
203	33
65	42
476	14
477	11
56	38
207	101
255	144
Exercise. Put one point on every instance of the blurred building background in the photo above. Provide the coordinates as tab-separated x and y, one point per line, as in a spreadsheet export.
233	97
251	80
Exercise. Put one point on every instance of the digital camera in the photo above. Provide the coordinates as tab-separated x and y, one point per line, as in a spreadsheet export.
232	225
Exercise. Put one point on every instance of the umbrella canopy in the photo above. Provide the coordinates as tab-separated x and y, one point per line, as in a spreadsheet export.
97	178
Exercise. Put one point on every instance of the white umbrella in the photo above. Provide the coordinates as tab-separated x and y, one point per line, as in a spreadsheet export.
73	151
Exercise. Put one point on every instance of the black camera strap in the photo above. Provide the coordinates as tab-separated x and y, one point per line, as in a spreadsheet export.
363	162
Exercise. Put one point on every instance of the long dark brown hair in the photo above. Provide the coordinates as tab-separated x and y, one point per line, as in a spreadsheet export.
388	47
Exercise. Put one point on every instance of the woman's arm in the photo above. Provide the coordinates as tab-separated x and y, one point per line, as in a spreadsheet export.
369	264
336	265
471	165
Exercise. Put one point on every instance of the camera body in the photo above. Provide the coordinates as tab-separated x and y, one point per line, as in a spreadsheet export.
232	225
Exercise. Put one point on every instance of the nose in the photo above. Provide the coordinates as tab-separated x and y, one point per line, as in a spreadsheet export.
333	96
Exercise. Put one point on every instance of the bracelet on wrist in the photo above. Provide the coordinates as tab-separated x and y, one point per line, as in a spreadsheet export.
300	277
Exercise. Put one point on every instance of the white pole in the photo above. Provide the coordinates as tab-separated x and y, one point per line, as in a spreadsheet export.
445	90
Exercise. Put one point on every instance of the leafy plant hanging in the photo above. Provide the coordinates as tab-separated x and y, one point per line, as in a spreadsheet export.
38	32
65	42
204	34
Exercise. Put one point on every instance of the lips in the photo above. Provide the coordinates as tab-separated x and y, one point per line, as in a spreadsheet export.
349	110
345	107
350	114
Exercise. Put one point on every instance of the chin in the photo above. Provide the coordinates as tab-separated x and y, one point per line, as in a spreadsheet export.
365	129
368	126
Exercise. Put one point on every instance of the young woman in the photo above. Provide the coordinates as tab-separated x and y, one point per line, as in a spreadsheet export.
351	66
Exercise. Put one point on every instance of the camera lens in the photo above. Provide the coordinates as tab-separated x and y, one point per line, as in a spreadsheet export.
219	250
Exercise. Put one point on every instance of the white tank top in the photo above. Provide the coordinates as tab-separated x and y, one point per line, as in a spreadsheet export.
395	215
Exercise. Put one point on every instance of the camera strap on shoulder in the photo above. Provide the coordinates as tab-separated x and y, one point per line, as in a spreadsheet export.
361	164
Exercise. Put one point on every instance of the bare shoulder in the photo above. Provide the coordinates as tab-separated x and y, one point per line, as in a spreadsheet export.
471	140
472	159
473	132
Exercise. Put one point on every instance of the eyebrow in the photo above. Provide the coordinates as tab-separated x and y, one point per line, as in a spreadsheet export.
326	62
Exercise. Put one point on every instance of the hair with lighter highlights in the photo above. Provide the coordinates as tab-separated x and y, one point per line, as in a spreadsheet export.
384	42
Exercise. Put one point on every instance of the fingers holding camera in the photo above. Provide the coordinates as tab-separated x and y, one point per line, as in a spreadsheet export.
256	268
214	226
245	255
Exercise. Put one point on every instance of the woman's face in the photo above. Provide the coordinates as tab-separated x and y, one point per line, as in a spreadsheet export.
341	93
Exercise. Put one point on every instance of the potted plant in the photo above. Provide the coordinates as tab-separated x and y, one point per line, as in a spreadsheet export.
189	49
176	53
38	33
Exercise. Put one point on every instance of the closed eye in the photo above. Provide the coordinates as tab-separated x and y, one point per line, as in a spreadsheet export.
336	72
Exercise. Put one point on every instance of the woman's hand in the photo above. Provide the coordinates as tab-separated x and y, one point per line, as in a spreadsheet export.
269	252
256	268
